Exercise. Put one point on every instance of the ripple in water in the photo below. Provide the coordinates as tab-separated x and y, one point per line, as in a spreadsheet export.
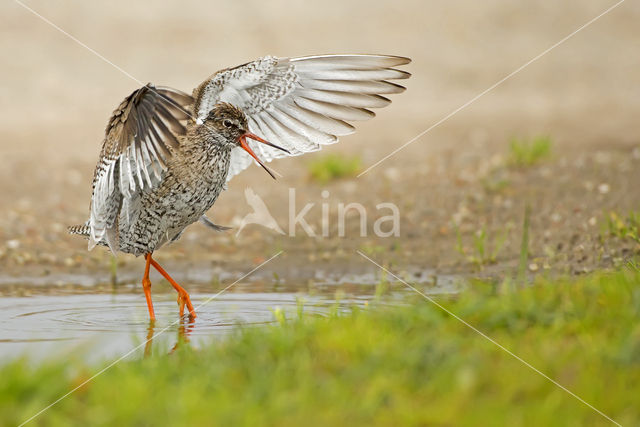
107	325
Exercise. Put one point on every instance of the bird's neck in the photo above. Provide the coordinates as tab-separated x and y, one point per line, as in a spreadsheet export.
205	146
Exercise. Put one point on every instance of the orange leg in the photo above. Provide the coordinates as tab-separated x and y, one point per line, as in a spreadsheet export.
183	296
146	286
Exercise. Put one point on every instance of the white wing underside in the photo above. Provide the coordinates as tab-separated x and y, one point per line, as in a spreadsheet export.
299	104
120	185
137	145
303	103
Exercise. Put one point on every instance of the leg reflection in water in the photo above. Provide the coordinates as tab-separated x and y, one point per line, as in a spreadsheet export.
185	328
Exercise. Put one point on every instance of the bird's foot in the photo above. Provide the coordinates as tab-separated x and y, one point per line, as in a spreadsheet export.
184	299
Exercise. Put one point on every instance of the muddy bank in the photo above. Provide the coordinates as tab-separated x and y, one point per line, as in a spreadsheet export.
453	181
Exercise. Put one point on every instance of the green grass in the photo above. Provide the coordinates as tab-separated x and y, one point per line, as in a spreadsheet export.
373	250
409	365
495	184
485	247
334	166
624	227
524	245
524	153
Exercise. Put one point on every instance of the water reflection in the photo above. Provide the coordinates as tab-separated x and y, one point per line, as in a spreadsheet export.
184	330
102	326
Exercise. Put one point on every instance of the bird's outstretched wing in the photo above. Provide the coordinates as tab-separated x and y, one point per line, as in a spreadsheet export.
301	103
138	141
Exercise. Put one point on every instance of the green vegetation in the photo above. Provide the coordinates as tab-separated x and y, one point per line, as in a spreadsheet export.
408	365
625	228
373	250
524	153
524	245
334	166
484	249
494	183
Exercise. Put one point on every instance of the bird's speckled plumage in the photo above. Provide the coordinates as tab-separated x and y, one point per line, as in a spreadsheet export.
195	176
167	155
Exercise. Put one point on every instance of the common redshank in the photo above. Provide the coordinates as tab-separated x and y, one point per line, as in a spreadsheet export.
166	156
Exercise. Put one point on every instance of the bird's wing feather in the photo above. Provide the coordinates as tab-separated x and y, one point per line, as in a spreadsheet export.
139	139
301	103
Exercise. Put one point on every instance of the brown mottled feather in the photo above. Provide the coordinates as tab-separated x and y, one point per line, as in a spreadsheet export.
167	155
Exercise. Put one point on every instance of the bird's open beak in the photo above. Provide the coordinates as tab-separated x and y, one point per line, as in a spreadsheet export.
242	141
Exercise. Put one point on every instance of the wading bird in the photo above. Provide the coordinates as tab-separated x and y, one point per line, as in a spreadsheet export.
167	155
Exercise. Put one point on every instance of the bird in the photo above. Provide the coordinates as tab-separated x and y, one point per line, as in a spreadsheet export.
167	155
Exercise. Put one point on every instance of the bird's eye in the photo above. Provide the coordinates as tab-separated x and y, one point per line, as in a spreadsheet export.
227	123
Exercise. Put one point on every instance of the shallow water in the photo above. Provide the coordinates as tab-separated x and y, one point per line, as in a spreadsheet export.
96	325
106	325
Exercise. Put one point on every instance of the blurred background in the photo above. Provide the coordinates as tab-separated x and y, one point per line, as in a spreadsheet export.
578	105
560	140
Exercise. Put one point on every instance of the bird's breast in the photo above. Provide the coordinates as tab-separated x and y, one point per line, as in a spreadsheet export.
203	176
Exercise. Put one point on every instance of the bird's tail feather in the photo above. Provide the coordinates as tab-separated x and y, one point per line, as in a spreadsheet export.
82	230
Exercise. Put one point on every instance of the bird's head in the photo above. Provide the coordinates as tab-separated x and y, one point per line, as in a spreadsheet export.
226	124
